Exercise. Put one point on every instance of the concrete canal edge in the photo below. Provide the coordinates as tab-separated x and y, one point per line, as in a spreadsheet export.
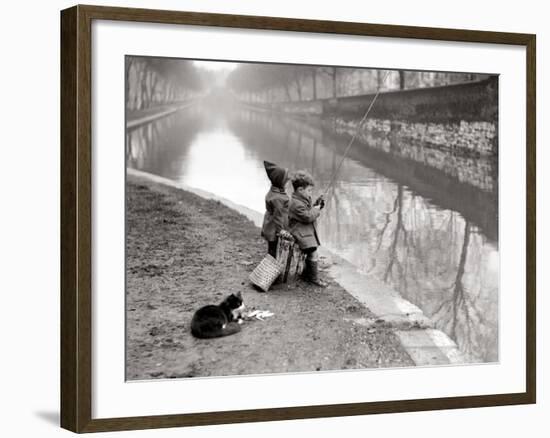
158	115
424	344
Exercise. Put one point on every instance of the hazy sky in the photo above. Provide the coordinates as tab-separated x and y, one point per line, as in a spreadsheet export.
216	65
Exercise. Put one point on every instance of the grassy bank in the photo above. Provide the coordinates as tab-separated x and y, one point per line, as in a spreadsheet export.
183	252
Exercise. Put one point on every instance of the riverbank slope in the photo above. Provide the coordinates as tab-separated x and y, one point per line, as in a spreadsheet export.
184	252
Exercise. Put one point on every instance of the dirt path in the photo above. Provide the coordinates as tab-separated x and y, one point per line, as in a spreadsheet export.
184	252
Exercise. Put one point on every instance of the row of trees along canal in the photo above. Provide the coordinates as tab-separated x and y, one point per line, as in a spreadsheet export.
287	83
151	82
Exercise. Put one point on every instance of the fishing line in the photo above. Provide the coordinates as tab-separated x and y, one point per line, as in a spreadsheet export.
359	126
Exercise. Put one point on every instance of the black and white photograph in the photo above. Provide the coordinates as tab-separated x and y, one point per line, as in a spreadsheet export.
285	218
275	219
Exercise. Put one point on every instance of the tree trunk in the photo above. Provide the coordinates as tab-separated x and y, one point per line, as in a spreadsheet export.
401	80
334	82
299	89
153	89
314	83
147	89
168	93
288	95
129	62
143	89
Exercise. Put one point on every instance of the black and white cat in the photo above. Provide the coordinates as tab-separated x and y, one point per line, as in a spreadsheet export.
214	321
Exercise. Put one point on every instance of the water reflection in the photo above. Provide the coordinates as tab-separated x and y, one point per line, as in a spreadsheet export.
429	235
433	257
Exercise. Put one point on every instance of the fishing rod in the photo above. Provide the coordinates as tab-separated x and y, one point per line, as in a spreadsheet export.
335	173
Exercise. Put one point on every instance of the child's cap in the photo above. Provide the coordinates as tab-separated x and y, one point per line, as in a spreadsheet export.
276	174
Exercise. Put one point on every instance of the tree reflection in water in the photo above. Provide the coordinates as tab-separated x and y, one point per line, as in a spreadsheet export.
433	257
460	313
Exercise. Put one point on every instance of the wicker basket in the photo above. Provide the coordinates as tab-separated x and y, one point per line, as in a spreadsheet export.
265	274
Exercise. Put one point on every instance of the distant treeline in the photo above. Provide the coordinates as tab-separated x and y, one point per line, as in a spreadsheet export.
152	81
155	81
280	83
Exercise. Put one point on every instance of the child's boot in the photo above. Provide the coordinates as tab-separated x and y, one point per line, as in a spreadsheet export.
313	274
306	272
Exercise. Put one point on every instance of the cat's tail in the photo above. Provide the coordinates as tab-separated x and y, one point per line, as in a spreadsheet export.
229	329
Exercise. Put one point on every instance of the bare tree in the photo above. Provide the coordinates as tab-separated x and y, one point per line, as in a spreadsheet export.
314	82
401	79
298	83
152	81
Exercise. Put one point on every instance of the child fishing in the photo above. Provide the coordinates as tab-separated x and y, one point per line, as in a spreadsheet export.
275	223
302	217
302	212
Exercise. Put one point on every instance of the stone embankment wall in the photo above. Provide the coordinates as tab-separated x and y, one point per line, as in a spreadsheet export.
460	119
464	151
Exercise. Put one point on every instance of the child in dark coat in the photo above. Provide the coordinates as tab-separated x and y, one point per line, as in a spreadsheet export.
276	205
302	218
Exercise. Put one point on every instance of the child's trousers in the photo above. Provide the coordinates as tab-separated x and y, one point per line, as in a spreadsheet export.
272	248
311	254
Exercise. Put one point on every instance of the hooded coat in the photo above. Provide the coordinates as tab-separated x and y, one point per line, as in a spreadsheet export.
276	202
302	219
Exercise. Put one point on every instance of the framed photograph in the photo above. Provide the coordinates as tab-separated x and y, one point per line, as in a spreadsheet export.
269	218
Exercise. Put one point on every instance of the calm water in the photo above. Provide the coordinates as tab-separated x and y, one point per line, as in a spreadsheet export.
428	235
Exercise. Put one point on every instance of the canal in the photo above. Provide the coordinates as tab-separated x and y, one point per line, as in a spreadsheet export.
426	232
